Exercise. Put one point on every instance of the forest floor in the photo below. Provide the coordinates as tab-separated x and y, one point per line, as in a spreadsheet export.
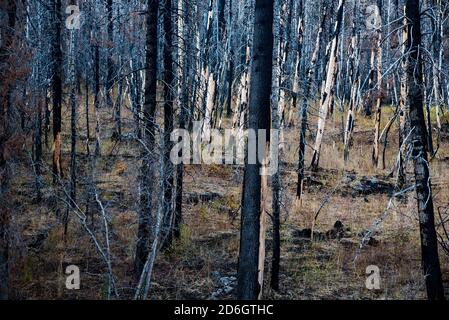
205	259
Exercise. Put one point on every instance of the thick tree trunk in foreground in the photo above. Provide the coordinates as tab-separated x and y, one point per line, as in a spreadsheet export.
148	172
429	243
251	257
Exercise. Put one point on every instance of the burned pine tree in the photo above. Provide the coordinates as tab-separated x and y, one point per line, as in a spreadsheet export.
57	88
252	240
73	120
418	138
378	95
169	96
148	172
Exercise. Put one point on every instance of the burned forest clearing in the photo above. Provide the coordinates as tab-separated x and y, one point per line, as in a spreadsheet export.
235	150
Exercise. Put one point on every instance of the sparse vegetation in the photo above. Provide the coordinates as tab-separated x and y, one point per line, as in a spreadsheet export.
87	133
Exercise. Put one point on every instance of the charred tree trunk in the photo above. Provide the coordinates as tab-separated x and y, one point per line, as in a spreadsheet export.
186	68
57	90
38	149
252	255
147	171
276	123
97	99
303	110
418	134
73	119
168	76
86	88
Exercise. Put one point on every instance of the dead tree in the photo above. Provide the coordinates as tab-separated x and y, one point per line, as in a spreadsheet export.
175	232
168	79
57	89
328	88
73	119
438	64
252	233
147	171
230	52
354	74
275	124
97	98
375	156
418	137
303	110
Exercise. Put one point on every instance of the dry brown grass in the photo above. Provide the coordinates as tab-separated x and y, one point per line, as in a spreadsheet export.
209	242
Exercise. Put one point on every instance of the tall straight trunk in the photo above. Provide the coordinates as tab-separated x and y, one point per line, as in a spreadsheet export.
57	90
118	112
97	99
252	241
135	95
303	110
186	68
437	65
328	88
354	73
230	75
109	61
427	102
275	124
117	131
86	88
147	170
38	149
207	74
404	116
298	44
73	118
418	134
375	156
168	76
46	117
6	132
